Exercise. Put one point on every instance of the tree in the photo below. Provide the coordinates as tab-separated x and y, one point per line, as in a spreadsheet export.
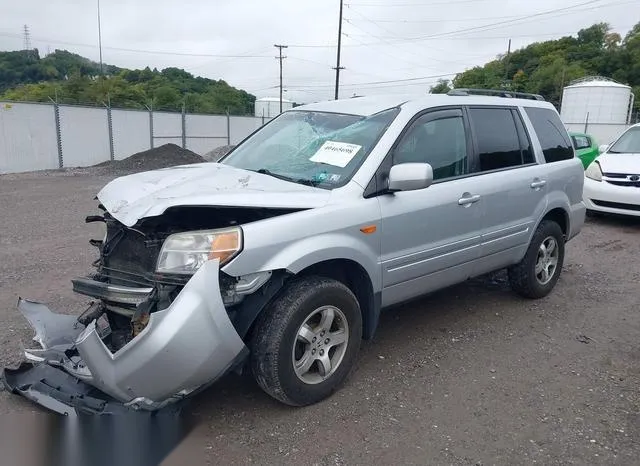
442	87
77	80
545	67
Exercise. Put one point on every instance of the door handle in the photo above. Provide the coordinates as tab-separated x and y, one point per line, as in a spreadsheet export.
468	199
537	184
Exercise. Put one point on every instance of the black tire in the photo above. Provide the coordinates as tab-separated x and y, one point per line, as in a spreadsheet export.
522	276
276	331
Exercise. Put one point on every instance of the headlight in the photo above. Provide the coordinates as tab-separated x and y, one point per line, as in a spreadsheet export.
593	171
184	253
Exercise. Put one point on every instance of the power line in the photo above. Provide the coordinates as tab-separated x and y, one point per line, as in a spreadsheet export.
442	20
149	52
413	4
397	37
405	80
501	23
474	38
451	34
395	57
519	20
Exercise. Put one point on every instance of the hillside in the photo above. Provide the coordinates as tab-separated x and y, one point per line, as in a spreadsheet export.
544	67
24	76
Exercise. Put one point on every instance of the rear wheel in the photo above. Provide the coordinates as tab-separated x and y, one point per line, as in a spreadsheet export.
305	344
538	272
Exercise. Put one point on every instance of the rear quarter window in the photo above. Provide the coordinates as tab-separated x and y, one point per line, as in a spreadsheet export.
553	137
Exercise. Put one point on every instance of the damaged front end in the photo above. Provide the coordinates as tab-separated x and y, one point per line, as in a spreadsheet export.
150	337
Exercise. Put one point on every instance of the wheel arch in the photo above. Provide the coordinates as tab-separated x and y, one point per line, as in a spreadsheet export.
560	216
355	277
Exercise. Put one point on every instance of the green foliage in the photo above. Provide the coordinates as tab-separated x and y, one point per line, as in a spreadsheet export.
442	87
545	67
73	79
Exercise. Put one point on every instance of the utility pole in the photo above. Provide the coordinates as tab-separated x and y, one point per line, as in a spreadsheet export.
280	57
338	67
506	65
564	70
100	39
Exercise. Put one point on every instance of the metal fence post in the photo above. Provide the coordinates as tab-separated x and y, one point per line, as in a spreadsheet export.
150	109
228	128
56	115
184	126
263	117
586	123
109	127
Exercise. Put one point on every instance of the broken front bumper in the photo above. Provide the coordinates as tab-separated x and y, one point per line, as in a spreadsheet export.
182	348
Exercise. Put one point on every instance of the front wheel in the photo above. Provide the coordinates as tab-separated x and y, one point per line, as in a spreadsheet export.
305	344
536	275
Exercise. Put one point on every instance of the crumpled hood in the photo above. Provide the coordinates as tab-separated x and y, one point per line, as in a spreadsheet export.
149	194
628	164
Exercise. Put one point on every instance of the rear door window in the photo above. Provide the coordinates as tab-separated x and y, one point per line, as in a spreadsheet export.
497	139
551	133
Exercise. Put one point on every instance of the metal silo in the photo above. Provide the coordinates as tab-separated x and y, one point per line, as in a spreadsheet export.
597	105
269	107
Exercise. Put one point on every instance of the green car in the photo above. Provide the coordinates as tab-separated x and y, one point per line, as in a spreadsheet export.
586	147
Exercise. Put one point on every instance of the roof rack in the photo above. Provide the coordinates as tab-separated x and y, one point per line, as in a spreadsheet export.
495	92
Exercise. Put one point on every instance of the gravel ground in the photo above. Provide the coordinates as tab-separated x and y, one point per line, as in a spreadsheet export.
470	375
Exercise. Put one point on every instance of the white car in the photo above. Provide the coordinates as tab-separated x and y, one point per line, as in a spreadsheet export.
612	181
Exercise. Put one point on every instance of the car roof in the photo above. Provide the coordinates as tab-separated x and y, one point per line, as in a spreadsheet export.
365	106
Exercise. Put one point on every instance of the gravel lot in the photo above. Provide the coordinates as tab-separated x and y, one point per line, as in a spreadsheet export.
470	375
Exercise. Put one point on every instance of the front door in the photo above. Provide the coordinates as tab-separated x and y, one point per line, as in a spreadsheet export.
430	237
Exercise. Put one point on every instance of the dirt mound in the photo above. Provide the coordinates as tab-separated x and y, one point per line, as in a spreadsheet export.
167	155
217	153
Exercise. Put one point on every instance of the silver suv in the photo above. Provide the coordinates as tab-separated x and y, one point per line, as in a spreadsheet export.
280	257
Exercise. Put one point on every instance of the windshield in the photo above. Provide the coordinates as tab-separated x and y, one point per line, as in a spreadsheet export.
628	143
314	148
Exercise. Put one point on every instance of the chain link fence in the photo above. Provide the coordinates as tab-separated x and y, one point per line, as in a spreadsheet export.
41	136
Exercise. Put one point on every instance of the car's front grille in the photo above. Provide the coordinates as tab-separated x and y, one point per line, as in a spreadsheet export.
616	205
622	179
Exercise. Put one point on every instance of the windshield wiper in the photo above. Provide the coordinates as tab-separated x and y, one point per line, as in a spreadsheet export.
264	171
304	181
308	182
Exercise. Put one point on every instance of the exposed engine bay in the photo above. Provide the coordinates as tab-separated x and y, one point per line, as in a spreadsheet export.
128	258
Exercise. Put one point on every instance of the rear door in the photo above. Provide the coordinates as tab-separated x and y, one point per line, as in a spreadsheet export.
510	182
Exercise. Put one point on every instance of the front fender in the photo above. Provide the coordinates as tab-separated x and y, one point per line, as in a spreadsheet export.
305	252
296	241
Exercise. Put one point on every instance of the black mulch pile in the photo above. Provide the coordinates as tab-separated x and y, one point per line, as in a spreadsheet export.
167	155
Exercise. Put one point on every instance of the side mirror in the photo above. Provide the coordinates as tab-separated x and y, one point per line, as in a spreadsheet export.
410	177
603	148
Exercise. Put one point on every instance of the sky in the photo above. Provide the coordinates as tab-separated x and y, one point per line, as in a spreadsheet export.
388	46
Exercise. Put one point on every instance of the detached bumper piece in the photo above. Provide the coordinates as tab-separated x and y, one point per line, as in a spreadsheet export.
60	392
182	349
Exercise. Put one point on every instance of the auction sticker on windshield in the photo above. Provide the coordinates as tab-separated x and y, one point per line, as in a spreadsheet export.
338	154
